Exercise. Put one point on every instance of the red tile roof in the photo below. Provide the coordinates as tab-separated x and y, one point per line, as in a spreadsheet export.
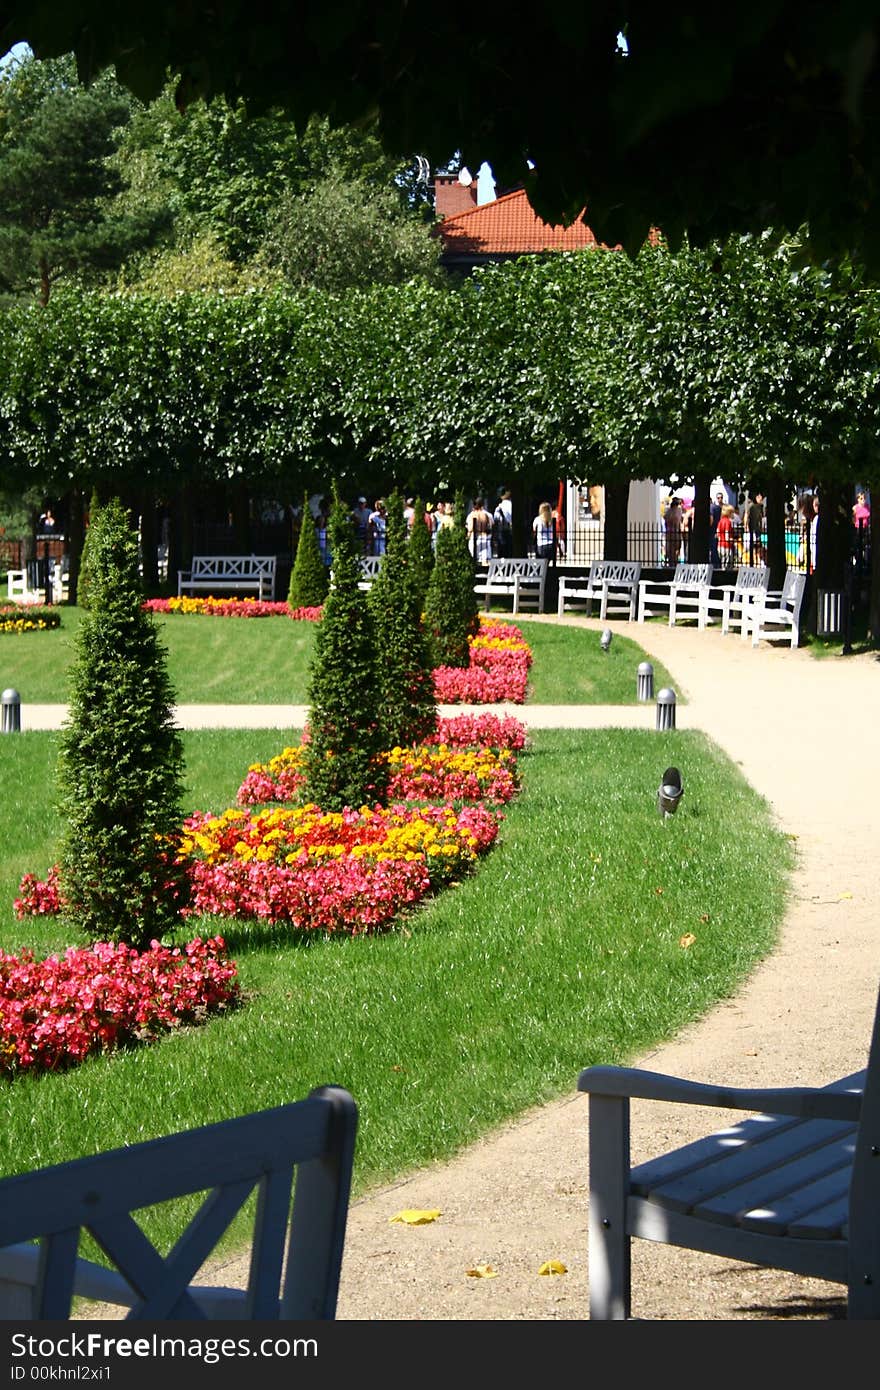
509	226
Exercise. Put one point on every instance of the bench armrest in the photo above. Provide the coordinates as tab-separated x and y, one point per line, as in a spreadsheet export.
810	1102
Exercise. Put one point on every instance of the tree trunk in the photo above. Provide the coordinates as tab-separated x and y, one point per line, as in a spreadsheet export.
521	521
874	597
775	513
616	504
699	550
241	518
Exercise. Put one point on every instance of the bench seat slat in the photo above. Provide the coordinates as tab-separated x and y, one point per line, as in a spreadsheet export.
734	1168
819	1208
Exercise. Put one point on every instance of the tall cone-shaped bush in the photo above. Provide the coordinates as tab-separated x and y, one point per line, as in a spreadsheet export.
121	758
309	580
346	736
83	583
421	555
406	678
451	604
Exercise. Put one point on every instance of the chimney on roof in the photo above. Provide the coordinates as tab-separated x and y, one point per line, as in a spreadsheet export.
452	196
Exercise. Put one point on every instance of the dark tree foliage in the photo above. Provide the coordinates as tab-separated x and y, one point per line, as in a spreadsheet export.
57	181
713	119
346	736
451	604
309	580
421	554
409	707
121	757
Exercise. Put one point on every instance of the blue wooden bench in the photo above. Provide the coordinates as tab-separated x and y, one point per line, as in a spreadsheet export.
796	1187
305	1149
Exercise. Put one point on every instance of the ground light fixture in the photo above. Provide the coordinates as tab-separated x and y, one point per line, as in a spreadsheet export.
605	639
669	793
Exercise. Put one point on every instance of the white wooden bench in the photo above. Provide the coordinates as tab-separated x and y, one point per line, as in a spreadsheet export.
523	581
18	589
252	574
732	600
776	612
613	583
296	1248
796	1187
682	595
370	566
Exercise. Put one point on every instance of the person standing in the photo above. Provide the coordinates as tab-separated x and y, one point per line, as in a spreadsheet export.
544	532
377	527
755	528
724	537
715	510
478	524
673	521
861	511
361	518
502	526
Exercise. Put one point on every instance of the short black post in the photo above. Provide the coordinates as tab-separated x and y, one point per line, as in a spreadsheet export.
10	704
666	709
645	681
47	573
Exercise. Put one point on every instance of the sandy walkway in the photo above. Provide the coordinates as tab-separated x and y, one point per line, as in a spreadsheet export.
805	733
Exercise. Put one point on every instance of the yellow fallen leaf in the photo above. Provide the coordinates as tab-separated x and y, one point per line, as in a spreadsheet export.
553	1267
482	1272
844	895
687	940
413	1217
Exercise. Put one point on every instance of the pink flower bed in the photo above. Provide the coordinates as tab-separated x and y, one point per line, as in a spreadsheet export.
231	608
498	670
58	1011
480	730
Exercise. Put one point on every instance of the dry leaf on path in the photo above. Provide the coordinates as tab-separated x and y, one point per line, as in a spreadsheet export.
553	1267
482	1272
412	1216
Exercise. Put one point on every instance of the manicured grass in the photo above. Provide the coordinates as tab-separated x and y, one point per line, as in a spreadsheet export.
570	667
564	950
242	661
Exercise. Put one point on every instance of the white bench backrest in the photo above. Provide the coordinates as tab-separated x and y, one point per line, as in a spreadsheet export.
232	566
692	575
792	589
751	578
615	572
511	569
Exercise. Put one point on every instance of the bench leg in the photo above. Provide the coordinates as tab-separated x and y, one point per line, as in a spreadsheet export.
609	1252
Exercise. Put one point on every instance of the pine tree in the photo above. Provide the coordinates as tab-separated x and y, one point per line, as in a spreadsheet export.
409	707
421	554
121	757
346	737
309	580
451	604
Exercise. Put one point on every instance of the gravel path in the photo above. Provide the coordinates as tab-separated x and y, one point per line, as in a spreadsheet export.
804	732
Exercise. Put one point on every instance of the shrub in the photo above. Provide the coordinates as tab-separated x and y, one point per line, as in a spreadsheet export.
421	555
409	710
343	762
309	580
83	581
121	757
451	604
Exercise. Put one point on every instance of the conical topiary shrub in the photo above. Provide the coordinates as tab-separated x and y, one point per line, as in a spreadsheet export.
451	614
406	679
343	766
121	757
309	580
83	581
421	555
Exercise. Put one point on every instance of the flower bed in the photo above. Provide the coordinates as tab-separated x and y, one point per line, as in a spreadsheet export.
15	617
58	1011
352	871
499	668
231	608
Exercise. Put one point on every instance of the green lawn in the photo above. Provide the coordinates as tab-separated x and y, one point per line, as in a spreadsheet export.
244	661
564	950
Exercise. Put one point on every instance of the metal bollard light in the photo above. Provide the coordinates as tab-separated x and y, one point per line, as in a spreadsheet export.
10	701
666	709
645	681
